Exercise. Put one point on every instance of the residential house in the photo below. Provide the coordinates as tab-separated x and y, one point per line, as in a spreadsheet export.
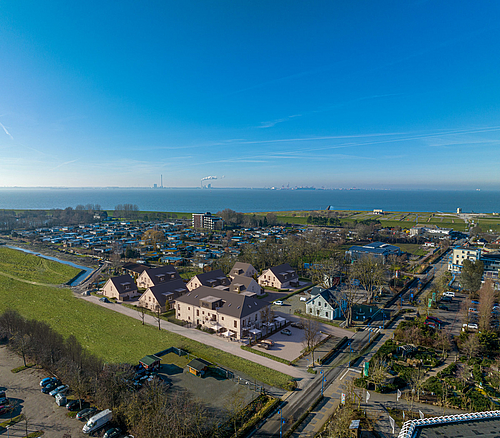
241	268
162	295
134	269
154	276
221	310
122	288
325	304
246	285
280	277
209	279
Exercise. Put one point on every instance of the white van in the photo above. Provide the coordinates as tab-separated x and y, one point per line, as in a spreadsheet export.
450	294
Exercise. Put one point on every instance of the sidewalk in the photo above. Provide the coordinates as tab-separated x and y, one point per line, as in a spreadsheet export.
207	339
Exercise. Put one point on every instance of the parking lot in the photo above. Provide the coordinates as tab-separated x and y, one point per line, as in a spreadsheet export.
287	347
452	317
218	394
23	389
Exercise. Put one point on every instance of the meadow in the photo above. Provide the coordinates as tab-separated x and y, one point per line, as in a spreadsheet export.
112	336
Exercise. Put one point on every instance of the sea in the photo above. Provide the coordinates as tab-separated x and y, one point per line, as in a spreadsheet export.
252	200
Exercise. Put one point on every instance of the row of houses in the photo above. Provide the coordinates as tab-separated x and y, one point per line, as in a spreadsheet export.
211	300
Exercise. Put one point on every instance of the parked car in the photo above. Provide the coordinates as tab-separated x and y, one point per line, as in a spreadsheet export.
472	310
431	324
114	432
61	400
446	299
5	409
47	380
263	345
51	386
86	413
470	326
436	320
297	324
59	390
443	307
278	303
104	300
449	294
286	332
303	298
74	405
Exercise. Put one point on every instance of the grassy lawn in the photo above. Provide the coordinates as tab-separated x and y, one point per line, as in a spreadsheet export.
110	335
412	248
32	268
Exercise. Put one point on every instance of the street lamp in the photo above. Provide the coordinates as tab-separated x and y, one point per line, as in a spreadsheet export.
322	380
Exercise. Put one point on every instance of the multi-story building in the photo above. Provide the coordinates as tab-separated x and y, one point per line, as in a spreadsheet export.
206	220
214	278
222	311
281	276
461	253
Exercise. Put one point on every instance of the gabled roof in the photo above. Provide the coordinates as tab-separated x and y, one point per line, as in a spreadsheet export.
240	267
163	290
135	267
198	364
235	305
212	277
121	282
242	281
285	269
165	272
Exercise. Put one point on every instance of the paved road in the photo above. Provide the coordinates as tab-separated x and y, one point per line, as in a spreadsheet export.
207	339
298	402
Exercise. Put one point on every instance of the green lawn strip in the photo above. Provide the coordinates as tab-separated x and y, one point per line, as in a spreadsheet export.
12	421
412	248
29	267
324	321
22	368
264	354
112	336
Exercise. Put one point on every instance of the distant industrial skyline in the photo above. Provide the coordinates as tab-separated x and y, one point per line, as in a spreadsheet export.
258	94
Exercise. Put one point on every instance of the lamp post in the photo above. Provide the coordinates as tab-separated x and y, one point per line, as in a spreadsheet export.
322	380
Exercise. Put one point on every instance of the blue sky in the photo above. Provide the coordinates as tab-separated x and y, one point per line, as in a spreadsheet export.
387	94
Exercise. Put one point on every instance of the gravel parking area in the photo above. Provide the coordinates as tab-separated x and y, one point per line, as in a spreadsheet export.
285	346
23	388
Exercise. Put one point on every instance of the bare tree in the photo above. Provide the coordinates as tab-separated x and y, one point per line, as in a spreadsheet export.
377	371
417	379
267	316
370	274
142	313
325	272
486	302
442	341
471	346
157	316
312	336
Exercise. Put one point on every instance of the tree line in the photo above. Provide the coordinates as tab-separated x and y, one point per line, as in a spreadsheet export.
11	220
151	411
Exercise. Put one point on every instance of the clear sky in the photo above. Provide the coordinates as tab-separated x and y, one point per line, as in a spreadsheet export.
372	94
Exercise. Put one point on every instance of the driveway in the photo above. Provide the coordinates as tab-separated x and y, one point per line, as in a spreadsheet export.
285	346
43	413
207	339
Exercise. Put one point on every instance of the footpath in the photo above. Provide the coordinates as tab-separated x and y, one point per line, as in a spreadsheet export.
228	346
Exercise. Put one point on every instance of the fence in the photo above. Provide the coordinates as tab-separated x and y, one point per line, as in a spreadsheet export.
254	386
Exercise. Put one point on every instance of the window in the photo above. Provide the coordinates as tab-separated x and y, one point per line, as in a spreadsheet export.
197	312
235	324
222	318
189	308
326	314
178	307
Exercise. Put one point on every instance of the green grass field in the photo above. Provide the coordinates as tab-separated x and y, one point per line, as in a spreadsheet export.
107	334
32	268
412	248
